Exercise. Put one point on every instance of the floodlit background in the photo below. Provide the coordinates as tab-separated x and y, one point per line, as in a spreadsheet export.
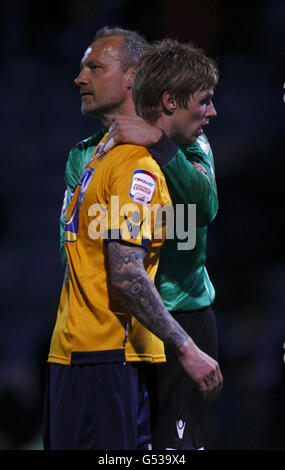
42	43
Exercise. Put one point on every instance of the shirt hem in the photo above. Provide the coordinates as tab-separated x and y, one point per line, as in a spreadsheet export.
59	360
145	358
128	358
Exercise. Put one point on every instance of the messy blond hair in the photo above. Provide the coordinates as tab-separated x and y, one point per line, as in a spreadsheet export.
173	67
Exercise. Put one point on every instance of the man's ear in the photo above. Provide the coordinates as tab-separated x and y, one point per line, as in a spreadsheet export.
130	77
169	103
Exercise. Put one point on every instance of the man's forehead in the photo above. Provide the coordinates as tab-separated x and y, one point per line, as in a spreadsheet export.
104	49
86	54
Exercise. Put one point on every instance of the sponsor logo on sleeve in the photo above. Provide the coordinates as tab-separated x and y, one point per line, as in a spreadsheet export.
142	186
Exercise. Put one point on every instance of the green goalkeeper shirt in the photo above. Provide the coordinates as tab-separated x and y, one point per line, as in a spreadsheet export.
182	278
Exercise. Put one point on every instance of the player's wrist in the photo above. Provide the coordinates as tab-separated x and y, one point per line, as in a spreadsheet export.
187	348
163	150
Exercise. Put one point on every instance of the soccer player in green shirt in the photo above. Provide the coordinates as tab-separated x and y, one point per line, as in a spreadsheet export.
183	281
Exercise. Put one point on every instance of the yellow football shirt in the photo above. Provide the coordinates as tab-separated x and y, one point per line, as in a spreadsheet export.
118	198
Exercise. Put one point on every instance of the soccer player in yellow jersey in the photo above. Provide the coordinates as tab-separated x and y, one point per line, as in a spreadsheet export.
111	319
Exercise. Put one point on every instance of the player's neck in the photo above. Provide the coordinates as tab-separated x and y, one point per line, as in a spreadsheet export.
165	123
126	109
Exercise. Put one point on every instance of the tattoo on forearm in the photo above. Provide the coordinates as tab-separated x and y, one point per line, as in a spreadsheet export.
140	294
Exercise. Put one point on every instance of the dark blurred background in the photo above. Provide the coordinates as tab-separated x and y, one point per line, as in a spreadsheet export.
42	44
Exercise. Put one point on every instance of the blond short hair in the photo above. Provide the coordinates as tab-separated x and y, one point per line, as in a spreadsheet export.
173	67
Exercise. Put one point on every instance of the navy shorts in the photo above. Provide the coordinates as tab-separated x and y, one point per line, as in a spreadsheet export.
176	403
97	407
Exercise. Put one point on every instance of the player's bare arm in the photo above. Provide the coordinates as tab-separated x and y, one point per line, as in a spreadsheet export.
139	293
144	302
133	130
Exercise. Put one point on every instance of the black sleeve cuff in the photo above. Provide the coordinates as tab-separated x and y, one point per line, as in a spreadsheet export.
114	235
163	150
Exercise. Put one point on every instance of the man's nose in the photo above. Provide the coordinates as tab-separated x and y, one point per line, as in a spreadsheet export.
81	79
211	111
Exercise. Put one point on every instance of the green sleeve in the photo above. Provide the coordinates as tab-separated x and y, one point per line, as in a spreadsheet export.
186	184
77	159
